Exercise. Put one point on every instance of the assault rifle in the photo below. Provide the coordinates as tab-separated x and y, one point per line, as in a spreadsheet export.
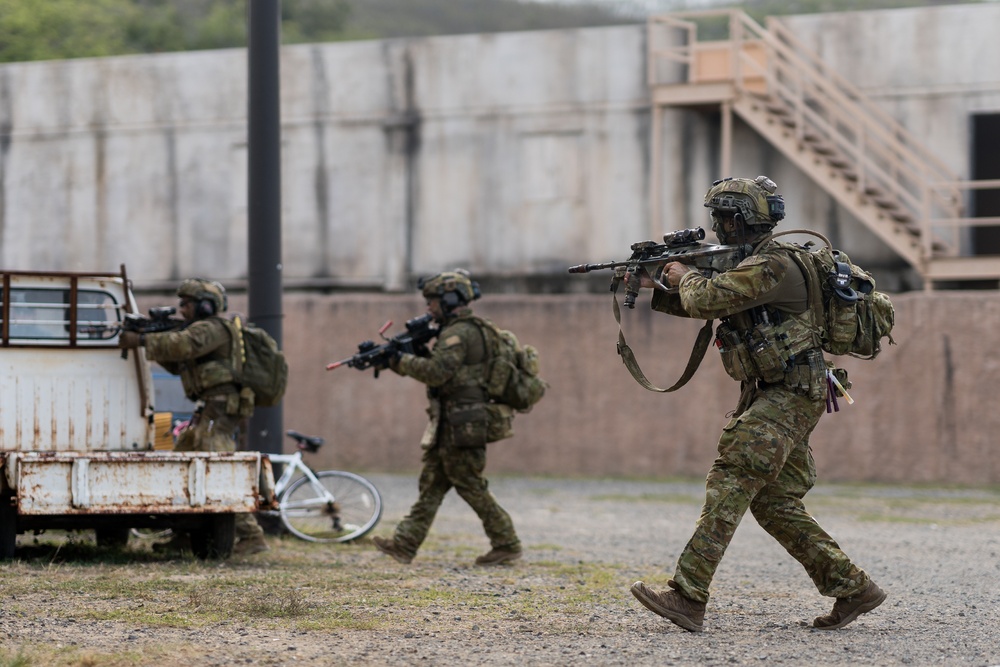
683	246
414	340
159	320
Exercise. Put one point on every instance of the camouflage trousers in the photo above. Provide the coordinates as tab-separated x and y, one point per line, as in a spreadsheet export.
765	465
446	467
212	430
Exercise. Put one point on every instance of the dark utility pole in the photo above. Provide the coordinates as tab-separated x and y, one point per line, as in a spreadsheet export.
264	196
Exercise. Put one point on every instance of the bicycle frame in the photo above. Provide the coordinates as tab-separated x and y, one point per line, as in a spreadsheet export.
293	463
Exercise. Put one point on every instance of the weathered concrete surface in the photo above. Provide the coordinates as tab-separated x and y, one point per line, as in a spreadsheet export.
514	154
924	410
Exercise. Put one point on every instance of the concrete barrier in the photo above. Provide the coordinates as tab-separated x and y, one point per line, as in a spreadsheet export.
924	409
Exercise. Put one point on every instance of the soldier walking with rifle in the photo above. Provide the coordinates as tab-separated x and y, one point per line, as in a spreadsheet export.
454	442
769	340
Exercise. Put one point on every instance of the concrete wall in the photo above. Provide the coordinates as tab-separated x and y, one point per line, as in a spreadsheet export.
923	410
513	154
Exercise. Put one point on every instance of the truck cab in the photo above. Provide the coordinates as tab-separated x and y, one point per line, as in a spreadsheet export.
78	426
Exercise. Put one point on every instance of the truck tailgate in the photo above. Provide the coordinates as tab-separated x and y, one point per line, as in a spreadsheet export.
137	482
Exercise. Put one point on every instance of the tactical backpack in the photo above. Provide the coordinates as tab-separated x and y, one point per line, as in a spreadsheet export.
854	316
512	369
261	365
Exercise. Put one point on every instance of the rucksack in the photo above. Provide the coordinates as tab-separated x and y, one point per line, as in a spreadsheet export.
854	316
261	365
512	369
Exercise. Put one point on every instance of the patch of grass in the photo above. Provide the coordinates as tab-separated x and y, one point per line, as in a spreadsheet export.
18	660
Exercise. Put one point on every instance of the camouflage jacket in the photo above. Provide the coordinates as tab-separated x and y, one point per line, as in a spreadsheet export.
768	331
201	353
456	368
770	278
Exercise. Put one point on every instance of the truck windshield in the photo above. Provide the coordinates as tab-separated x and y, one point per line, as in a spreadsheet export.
38	313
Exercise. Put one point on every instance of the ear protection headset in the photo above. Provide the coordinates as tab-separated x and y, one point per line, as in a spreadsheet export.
450	301
204	308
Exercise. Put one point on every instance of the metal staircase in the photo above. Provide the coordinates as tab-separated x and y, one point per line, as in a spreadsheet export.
849	146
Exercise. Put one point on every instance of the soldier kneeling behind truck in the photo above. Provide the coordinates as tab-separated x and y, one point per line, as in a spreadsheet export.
201	353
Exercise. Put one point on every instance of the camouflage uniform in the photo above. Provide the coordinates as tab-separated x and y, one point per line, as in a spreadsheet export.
764	463
455	440
201	354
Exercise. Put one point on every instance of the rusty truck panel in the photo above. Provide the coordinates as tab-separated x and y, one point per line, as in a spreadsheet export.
127	483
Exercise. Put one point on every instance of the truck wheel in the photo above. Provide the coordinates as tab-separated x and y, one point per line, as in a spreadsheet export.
113	538
8	528
215	538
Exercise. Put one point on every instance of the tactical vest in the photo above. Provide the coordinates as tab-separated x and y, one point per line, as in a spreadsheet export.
213	371
466	385
771	346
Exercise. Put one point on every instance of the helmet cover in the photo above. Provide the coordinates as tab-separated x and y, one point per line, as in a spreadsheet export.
200	289
455	282
753	199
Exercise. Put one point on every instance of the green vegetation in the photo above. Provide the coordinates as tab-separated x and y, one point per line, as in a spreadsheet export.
297	587
56	29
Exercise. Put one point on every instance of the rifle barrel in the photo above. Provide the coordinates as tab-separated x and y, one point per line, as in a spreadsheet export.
587	268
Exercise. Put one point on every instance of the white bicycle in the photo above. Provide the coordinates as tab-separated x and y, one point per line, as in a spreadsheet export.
324	506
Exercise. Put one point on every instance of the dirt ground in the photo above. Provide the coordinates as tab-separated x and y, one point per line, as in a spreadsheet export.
935	551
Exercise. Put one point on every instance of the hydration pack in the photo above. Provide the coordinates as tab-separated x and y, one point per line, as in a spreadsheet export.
512	369
260	365
853	315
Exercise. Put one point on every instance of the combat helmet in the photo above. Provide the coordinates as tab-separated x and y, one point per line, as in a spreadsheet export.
454	288
209	296
752	199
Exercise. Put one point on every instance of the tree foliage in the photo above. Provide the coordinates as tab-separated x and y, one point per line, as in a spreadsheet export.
50	29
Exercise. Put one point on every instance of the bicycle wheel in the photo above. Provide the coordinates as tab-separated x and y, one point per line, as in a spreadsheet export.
341	507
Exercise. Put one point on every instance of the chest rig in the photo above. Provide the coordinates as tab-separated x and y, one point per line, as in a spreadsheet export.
768	345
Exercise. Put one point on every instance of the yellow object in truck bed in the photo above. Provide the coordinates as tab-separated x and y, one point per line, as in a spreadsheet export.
164	424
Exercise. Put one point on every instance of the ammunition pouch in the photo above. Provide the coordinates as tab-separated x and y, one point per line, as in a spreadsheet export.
501	422
764	352
760	355
469	424
808	376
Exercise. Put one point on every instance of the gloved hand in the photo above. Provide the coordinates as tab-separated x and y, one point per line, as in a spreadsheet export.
130	340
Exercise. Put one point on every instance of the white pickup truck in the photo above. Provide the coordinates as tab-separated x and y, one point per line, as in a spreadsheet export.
78	426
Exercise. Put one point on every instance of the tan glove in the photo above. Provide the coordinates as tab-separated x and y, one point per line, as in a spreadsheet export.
130	340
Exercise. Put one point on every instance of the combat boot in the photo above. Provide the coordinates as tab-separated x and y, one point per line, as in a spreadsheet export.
846	610
672	606
499	557
248	546
390	548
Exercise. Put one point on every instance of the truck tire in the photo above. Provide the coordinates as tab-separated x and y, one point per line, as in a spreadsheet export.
215	538
8	528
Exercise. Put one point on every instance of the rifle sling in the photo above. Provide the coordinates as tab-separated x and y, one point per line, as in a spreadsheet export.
628	357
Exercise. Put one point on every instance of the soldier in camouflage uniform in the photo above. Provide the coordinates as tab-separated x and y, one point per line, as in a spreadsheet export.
769	340
454	442
201	353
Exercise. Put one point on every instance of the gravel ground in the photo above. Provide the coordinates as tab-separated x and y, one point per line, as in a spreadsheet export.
935	551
